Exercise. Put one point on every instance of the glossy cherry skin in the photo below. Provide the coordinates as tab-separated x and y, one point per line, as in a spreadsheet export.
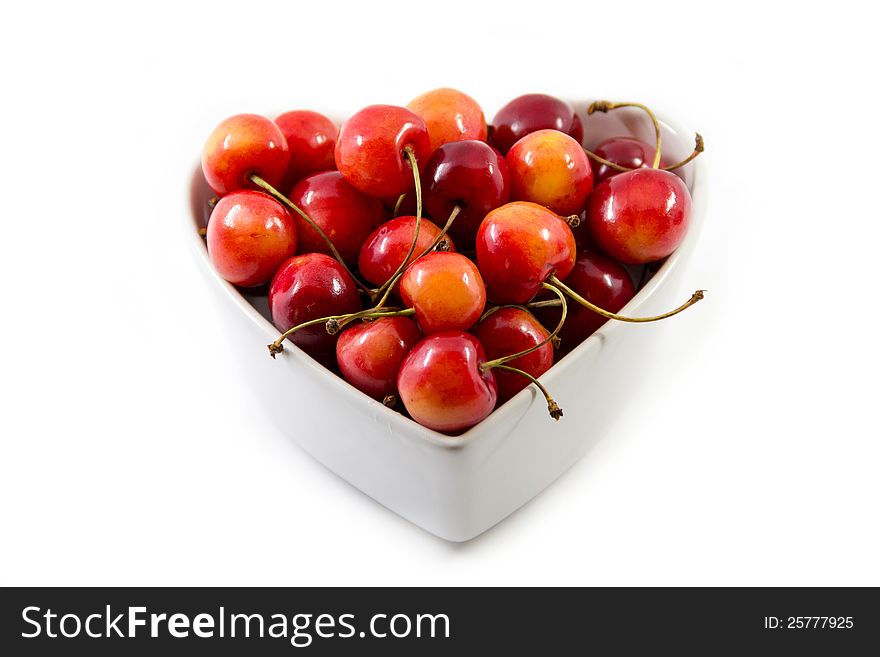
450	116
508	331
346	215
518	246
550	168
470	174
369	150
384	250
446	291
639	216
249	235
369	354
600	280
628	152
307	287
441	384
532	112
311	139
241	145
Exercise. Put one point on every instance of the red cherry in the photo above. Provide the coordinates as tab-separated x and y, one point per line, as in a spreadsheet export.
311	138
533	112
627	152
346	215
249	235
469	174
518	246
446	291
308	287
385	249
450	116
639	216
242	145
509	331
550	168
369	354
601	281
370	149
441	383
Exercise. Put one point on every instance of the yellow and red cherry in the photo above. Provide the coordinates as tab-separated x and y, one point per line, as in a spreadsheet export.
445	290
450	116
442	385
369	354
372	145
249	235
470	175
550	168
311	139
601	281
519	245
627	152
639	216
384	251
532	112
308	287
510	331
242	145
346	215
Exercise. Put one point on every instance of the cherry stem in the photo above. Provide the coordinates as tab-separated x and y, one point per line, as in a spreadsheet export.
622	318
552	406
398	203
699	147
203	232
281	198
550	303
390	401
334	323
387	285
605	106
549	339
607	163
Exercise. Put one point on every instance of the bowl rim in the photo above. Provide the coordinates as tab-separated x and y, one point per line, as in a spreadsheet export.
401	424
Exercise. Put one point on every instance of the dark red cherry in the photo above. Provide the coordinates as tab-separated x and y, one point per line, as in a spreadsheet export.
307	287
601	281
441	383
628	152
639	216
519	245
532	112
369	354
509	331
346	215
470	174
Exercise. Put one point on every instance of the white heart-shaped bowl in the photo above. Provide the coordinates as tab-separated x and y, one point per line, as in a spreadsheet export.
458	487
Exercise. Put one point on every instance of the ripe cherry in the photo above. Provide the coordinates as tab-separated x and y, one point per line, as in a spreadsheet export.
308	287
369	354
598	279
639	216
508	331
518	246
385	249
471	175
627	152
249	235
242	145
446	291
450	116
376	147
533	112
442	385
346	215
550	168
311	139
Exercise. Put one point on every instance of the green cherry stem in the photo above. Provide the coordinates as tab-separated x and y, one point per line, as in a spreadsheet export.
622	318
387	285
552	406
281	198
699	147
605	106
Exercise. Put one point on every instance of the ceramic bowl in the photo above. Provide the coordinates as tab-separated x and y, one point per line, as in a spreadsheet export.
457	487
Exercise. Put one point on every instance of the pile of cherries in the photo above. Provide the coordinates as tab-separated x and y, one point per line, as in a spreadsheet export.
430	258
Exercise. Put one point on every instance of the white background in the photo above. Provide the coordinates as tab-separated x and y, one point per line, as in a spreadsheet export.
132	454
